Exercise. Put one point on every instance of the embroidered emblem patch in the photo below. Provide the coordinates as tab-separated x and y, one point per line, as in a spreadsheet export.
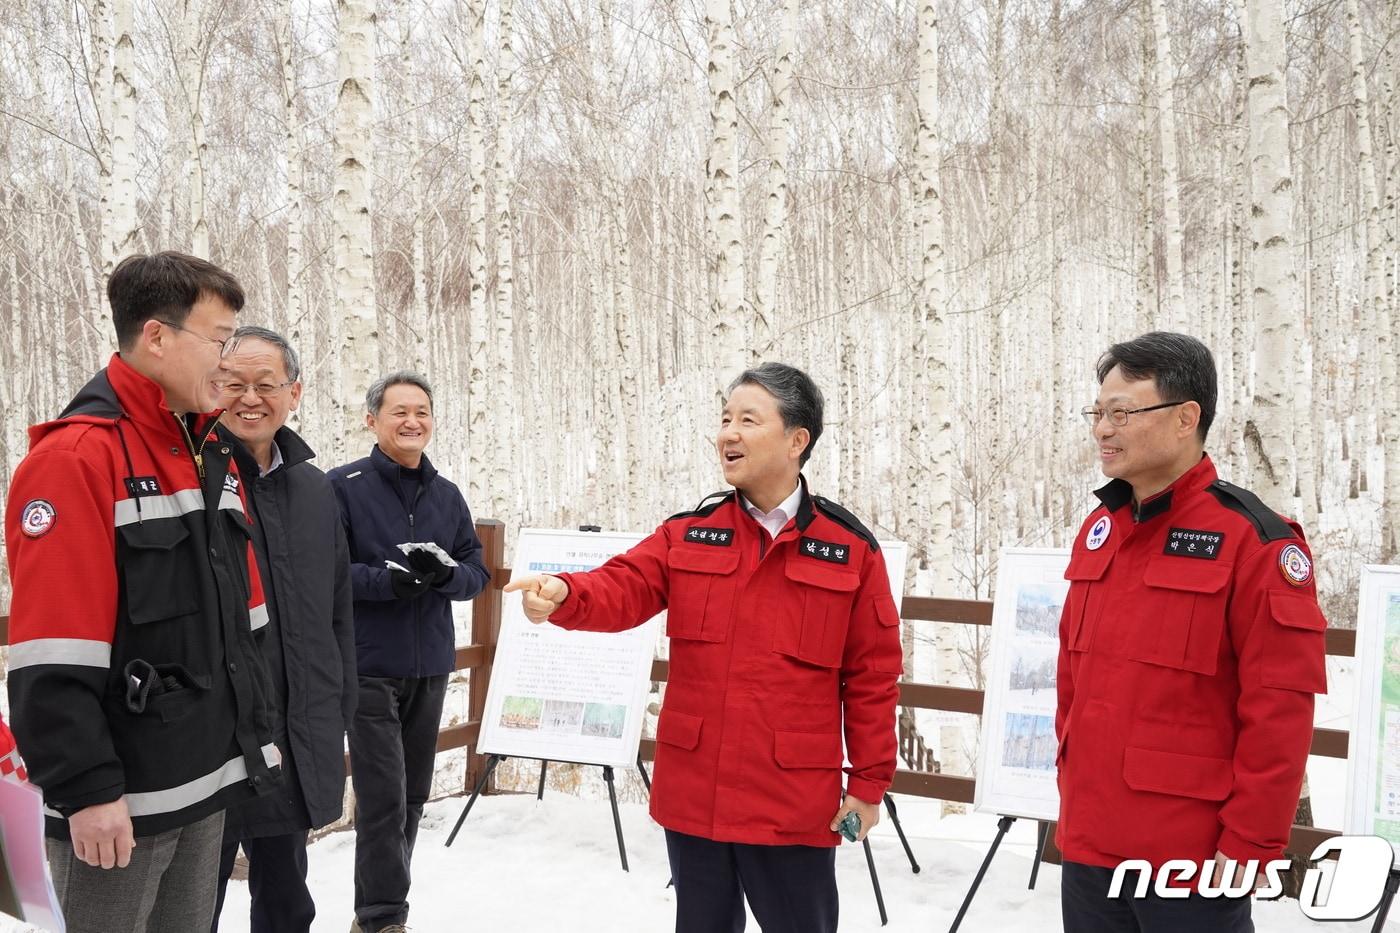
1098	533
1295	565
38	518
715	537
142	486
231	483
825	550
1188	542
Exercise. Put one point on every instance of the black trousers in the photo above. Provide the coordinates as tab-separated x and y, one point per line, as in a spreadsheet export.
790	889
1087	908
392	743
276	880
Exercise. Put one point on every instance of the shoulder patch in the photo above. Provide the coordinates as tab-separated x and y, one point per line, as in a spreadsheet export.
846	520
1268	524
707	505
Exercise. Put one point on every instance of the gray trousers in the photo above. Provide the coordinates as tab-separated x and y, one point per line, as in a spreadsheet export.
169	886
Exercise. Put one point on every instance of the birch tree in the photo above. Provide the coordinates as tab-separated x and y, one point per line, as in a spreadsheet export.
1269	430
477	333
503	470
119	194
727	326
1171	197
355	324
770	249
294	171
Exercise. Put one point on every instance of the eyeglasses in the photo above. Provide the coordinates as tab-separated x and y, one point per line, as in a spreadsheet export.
261	389
223	344
1119	416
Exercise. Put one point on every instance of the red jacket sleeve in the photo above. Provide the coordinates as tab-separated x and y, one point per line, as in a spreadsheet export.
1278	633
871	665
623	593
62	617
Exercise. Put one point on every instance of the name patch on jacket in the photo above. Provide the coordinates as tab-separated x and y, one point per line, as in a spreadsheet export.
1188	542
715	537
825	550
142	486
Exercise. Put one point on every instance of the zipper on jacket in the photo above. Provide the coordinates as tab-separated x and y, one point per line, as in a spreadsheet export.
196	453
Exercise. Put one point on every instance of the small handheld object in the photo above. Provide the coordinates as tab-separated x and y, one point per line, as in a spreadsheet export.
850	826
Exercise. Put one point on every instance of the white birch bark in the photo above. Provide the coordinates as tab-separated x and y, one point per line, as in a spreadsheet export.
770	248
1269	431
1168	169
505	460
478	334
418	298
190	69
355	320
727	326
119	204
294	168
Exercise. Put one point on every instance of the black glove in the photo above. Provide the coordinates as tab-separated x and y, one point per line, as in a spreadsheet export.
428	566
407	585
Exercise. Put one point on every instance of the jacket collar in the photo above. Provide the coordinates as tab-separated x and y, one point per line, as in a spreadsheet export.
294	451
121	392
389	468
1118	493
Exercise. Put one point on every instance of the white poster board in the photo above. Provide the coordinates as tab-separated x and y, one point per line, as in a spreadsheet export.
896	554
560	695
1373	759
1016	765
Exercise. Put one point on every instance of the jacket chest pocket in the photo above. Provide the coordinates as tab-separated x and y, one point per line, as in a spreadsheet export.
1182	620
701	596
813	629
239	536
1084	602
158	571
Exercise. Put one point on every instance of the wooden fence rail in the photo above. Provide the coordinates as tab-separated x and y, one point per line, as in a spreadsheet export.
478	656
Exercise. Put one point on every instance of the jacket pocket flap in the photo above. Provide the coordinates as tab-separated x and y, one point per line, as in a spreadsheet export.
703	559
824	575
160	534
1178	774
1182	573
679	729
886	612
1296	611
807	749
1088	565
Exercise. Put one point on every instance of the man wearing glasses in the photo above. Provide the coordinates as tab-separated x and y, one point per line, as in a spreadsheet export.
137	689
310	640
1191	646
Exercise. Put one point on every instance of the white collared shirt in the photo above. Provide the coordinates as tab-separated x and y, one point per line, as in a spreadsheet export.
275	462
774	521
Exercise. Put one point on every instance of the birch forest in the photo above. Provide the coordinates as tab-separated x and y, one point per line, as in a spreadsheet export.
579	218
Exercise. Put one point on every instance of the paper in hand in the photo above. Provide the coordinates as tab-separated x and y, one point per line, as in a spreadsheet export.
393	566
442	556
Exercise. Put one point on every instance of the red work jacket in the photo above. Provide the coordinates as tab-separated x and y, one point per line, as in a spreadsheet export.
1191	645
778	649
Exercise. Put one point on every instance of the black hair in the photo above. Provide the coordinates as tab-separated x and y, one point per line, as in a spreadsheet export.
1181	366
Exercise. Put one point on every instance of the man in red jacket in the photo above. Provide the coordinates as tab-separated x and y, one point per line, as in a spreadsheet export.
784	640
1191	645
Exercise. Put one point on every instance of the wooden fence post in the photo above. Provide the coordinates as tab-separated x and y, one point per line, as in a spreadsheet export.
486	628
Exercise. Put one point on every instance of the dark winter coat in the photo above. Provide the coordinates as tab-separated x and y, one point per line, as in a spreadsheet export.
396	637
310	642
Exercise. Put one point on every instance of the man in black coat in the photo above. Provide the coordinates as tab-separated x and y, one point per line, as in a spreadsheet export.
413	551
309	647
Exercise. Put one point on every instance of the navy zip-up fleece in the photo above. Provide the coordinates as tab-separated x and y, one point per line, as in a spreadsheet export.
396	637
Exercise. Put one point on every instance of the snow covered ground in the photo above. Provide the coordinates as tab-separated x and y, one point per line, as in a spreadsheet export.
548	866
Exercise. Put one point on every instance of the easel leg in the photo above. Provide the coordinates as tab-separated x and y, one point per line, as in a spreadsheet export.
1003	826
1042	833
1392	884
646	778
544	770
617	817
875	883
898	828
491	763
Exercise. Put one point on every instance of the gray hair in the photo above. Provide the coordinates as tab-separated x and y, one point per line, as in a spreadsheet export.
374	398
799	400
290	360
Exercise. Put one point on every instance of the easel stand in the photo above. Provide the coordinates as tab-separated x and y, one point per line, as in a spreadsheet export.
898	828
493	760
1392	884
1003	827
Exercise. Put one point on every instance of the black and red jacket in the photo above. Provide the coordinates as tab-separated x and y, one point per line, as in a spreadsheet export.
133	669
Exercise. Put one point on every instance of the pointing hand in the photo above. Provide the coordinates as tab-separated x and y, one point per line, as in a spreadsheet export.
542	595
